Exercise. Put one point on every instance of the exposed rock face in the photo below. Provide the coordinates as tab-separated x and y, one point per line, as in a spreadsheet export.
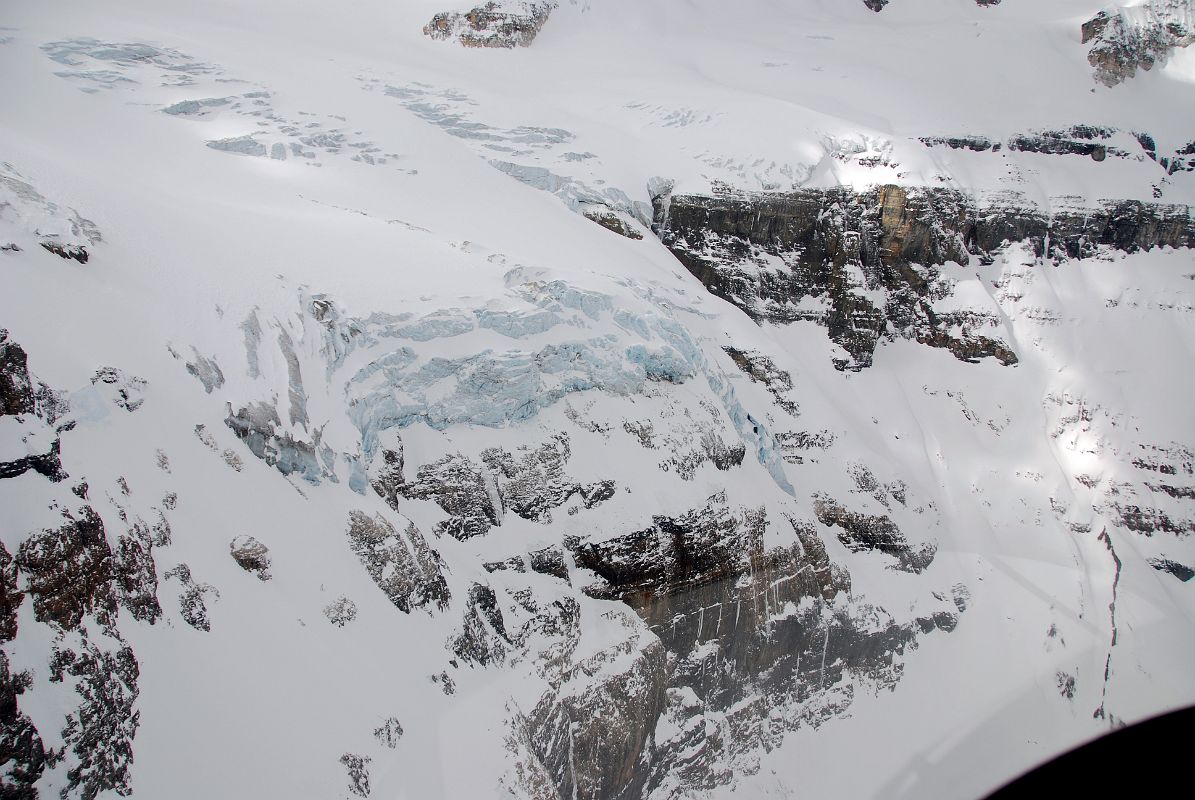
389	732
878	5
73	252
483	639
46	464
866	532
1097	142
1180	571
257	426
529	482
549	561
341	612
458	486
1127	38
1080	140
612	222
592	738
762	369
192	600
33	412
251	555
746	632
126	391
136	574
58	229
10	596
672	556
357	767
533	483
403	566
80	581
822	255
16	390
100	732
498	23
70	572
1181	160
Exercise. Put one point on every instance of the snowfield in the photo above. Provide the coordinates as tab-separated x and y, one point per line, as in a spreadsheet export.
690	400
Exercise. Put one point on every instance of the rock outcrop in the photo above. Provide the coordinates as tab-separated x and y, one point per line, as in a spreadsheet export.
1124	39
745	631
869	532
498	23
823	255
529	482
403	566
258	426
878	5
32	412
23	754
251	555
82	578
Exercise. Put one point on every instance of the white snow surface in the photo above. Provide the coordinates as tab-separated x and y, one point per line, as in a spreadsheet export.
225	162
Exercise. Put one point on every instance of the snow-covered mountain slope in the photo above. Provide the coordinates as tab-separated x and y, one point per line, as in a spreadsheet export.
342	454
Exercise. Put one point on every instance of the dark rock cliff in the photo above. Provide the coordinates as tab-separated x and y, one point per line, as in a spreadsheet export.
841	248
493	24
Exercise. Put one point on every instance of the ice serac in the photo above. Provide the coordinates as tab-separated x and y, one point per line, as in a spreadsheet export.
1126	38
498	23
863	264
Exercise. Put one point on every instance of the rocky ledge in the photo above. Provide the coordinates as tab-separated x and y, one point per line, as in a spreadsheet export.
506	23
863	264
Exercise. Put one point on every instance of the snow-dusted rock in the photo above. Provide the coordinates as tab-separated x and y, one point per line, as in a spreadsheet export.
1124	39
497	23
403	566
251	555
